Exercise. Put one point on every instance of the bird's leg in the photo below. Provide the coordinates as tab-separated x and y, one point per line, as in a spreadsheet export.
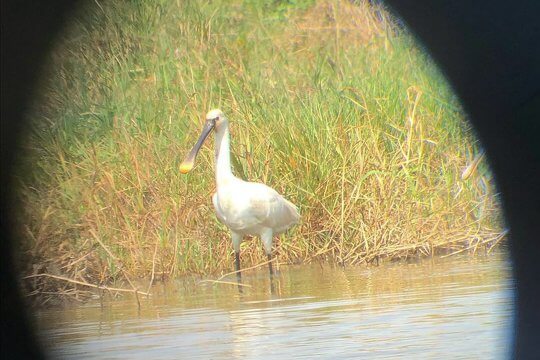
237	239
272	287
237	266
270	265
267	237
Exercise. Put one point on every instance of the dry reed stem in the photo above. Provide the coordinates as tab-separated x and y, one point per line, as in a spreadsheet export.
78	260
101	287
249	268
119	263
153	266
224	282
471	169
497	237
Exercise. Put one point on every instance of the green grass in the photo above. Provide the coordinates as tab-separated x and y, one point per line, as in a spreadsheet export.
329	103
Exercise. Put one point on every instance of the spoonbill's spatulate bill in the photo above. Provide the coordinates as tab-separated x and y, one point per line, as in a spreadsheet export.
246	208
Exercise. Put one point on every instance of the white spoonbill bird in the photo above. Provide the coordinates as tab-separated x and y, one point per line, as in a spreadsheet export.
246	208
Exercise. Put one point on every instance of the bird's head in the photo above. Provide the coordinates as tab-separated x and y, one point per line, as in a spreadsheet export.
214	119
217	117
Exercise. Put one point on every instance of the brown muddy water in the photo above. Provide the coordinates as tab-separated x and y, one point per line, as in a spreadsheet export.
454	308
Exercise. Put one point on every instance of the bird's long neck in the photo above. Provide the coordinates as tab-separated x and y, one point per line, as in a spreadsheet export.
223	155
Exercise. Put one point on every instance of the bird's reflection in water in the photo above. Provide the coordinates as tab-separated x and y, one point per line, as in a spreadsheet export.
274	286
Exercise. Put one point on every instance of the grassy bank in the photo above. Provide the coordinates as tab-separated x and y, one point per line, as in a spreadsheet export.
329	102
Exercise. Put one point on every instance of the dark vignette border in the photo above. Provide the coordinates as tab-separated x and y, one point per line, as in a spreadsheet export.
489	50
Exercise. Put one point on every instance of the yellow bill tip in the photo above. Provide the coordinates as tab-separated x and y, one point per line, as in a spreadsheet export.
185	168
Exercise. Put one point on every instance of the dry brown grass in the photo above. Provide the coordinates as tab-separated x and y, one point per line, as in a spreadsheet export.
332	106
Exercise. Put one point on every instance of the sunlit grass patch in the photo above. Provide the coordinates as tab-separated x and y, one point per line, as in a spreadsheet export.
330	103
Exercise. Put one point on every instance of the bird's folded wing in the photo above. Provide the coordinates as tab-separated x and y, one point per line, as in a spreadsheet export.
274	211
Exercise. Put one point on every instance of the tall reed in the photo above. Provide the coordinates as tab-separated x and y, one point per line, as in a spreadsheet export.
330	102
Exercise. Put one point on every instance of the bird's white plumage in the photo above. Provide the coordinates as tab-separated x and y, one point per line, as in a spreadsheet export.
246	208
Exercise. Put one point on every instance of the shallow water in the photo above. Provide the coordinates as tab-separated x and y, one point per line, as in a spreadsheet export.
454	308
